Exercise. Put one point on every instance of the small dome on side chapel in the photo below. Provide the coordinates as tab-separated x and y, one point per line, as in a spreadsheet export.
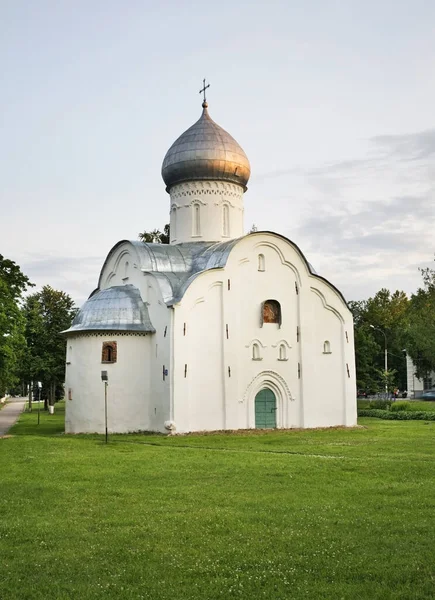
205	151
118	308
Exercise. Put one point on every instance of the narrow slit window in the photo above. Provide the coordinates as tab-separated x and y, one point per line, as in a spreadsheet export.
256	352
226	220
261	262
326	347
173	228
282	352
196	219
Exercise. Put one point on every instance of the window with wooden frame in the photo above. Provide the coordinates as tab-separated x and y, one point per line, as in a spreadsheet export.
109	352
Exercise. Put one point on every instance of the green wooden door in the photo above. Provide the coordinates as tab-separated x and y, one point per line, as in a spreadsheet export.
265	409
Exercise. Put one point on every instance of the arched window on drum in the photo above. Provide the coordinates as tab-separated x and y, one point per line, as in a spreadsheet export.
225	220
196	229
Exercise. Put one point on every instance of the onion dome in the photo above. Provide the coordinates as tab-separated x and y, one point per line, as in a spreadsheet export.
118	308
205	151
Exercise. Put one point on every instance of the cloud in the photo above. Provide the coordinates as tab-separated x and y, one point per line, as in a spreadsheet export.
371	222
77	276
410	146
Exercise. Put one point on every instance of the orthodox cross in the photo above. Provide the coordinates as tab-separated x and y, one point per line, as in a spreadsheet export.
203	89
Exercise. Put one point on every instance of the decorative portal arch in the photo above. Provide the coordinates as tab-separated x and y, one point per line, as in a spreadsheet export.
277	384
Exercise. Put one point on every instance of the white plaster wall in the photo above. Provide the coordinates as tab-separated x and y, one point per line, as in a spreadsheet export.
128	390
210	196
324	394
199	399
123	266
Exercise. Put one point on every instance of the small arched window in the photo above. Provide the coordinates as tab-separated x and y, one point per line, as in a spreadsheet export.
261	262
196	219
256	351
326	347
282	352
225	220
126	268
109	352
271	312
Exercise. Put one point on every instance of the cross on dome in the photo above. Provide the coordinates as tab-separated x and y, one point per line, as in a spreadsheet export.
204	104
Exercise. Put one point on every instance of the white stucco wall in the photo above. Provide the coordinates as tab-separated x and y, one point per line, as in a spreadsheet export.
139	370
210	198
205	342
313	388
129	405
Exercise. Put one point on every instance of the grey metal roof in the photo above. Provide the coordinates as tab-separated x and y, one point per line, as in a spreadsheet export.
118	308
205	151
176	266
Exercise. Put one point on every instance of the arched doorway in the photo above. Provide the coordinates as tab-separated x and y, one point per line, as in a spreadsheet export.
265	409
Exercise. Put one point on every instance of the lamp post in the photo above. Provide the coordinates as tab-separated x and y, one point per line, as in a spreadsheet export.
105	379
386	357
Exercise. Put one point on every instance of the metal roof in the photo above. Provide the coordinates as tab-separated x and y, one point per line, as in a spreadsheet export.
176	266
205	151
118	308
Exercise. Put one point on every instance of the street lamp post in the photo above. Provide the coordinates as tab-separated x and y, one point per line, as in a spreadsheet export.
105	379
386	357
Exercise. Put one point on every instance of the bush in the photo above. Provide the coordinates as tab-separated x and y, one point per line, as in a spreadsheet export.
400	405
401	415
381	404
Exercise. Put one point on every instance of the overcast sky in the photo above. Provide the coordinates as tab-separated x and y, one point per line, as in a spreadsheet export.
332	101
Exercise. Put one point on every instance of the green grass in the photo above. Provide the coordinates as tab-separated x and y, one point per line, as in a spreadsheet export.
324	514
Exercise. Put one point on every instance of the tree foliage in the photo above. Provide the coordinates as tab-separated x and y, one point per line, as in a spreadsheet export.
47	313
420	340
13	283
385	313
156	236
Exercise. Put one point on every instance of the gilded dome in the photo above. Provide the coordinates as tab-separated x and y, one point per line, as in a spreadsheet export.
205	151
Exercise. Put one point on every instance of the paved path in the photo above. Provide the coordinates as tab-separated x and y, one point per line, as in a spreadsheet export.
10	413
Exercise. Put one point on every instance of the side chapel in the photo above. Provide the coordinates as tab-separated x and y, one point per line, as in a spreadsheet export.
217	330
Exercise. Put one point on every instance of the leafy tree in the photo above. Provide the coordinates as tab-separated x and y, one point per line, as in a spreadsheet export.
420	339
13	283
47	313
156	236
385	313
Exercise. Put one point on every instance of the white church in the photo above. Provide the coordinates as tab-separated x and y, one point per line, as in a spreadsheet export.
216	330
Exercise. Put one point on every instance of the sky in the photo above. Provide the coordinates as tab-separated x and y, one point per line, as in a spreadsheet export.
332	101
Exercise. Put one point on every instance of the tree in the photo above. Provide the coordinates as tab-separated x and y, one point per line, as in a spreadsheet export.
156	236
47	313
420	338
13	283
385	313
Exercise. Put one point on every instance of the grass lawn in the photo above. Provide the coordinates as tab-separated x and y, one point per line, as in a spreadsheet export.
326	514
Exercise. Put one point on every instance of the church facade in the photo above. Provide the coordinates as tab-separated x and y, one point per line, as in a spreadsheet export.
217	330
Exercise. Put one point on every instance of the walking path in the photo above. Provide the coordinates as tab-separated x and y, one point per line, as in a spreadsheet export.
9	414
